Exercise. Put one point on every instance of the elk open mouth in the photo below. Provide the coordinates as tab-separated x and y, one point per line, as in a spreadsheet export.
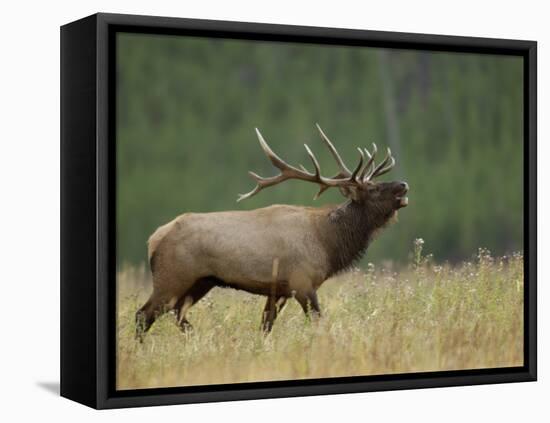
403	201
401	197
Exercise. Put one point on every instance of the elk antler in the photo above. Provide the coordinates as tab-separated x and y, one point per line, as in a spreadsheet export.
344	178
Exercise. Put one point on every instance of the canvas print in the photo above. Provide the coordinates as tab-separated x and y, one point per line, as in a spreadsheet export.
293	211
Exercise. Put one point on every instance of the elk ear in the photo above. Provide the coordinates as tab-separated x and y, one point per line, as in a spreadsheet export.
349	192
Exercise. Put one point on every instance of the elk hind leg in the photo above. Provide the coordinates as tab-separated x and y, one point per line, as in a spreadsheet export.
151	310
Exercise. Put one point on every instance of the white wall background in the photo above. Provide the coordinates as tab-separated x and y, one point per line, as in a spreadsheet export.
29	169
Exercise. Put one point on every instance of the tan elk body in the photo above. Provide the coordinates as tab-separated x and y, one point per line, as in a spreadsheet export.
198	251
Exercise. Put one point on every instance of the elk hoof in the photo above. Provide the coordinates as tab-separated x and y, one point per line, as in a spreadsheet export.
185	326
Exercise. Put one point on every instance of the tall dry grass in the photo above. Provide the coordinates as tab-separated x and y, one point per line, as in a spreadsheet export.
425	317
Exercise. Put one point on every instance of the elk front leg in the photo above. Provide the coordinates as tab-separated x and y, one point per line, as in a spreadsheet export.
309	303
273	307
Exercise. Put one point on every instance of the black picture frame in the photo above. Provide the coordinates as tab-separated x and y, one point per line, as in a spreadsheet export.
88	196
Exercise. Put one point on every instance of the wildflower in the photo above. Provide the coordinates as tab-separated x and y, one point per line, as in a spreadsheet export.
418	242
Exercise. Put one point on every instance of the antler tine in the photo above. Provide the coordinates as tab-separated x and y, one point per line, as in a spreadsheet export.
321	190
276	160
369	163
314	160
387	168
353	176
323	187
382	166
344	171
261	183
256	189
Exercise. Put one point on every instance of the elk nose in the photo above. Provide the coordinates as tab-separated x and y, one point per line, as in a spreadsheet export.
404	186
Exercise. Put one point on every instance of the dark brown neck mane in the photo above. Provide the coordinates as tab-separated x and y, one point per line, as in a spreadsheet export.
350	227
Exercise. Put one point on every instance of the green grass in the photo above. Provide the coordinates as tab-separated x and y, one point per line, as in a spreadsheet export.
424	317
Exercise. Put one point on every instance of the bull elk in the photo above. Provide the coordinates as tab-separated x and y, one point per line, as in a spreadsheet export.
196	252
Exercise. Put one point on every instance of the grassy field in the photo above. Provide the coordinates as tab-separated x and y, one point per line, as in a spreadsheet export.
423	317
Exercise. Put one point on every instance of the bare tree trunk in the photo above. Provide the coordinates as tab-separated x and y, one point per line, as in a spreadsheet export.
390	112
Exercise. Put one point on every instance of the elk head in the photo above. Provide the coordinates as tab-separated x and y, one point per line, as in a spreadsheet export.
357	185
